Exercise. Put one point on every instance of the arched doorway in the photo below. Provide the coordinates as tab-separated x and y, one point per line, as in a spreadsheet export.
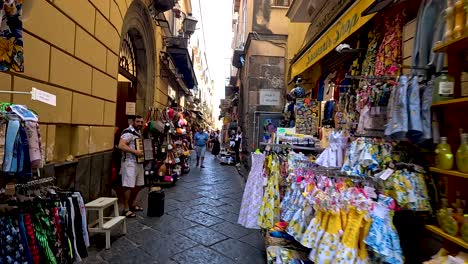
136	63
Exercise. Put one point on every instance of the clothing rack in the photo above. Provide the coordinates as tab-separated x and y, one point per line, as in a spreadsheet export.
362	77
36	182
290	146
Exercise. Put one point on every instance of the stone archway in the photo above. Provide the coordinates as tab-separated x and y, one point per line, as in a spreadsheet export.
138	26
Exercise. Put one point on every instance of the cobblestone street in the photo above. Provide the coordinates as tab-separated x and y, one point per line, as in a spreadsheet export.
199	225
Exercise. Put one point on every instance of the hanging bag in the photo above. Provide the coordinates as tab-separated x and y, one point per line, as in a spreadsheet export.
157	124
147	119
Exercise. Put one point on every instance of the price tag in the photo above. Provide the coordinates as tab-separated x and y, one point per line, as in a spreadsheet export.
386	174
265	181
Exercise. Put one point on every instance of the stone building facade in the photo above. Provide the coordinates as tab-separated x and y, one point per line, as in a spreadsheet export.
260	50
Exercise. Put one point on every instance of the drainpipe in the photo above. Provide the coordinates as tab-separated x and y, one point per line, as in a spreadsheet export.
255	131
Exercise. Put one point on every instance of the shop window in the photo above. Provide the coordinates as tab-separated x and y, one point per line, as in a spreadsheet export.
282	2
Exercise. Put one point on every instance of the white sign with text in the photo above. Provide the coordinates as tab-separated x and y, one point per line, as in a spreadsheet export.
270	97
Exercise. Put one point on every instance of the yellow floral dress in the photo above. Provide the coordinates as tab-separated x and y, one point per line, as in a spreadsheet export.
330	241
348	249
270	209
308	239
363	256
319	234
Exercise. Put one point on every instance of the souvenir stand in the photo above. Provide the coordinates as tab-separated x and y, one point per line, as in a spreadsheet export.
372	195
166	146
39	223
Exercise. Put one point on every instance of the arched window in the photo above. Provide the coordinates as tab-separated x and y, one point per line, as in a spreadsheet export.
127	60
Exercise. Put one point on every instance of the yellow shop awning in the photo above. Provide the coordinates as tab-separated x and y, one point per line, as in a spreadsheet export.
346	25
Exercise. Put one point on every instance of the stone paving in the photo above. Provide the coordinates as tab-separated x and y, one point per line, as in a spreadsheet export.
199	225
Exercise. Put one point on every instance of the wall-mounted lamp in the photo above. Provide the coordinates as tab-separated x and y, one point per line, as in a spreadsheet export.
346	48
189	24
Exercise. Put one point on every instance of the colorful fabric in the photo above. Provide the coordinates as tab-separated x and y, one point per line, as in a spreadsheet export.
32	242
363	156
44	235
409	190
12	250
253	193
389	54
11	36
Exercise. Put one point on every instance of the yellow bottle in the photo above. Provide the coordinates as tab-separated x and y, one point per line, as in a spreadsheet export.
462	154
464	229
449	224
444	156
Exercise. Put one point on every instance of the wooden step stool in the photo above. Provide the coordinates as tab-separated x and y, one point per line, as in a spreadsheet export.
105	224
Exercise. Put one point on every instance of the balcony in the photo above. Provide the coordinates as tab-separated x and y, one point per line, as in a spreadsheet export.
179	42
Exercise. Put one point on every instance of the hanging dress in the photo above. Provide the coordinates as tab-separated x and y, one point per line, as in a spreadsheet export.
298	224
348	248
270	208
329	245
383	238
253	193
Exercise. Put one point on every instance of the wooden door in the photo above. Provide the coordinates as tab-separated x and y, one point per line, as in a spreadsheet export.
125	93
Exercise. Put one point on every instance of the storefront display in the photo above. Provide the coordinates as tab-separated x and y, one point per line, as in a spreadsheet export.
168	137
384	171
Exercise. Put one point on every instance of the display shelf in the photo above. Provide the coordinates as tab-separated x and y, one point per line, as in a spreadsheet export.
451	101
455	45
449	172
441	233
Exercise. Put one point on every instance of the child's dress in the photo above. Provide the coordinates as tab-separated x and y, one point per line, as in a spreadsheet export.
298	224
310	235
252	198
348	249
330	241
270	209
383	238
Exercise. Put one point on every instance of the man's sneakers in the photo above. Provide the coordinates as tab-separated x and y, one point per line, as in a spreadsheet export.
202	166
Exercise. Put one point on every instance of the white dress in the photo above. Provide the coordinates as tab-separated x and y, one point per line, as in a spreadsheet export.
253	194
333	155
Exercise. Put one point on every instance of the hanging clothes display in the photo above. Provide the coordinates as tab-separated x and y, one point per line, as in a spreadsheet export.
45	231
20	142
340	215
11	36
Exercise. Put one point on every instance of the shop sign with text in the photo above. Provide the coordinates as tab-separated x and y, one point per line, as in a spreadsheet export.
343	28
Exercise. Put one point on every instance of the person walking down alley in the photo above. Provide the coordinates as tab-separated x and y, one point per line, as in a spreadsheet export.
201	139
216	145
132	172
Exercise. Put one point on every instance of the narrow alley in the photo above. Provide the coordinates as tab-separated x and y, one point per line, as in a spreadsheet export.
199	225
